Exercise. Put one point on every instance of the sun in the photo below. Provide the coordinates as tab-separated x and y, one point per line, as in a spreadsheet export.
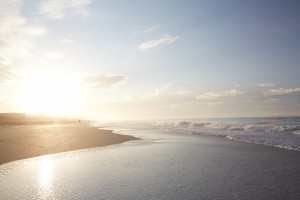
49	92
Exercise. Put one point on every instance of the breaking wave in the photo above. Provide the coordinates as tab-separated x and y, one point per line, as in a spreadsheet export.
245	128
277	132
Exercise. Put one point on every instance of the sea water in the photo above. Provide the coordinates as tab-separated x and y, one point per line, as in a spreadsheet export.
280	132
170	161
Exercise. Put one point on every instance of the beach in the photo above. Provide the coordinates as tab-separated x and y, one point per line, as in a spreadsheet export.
159	166
31	140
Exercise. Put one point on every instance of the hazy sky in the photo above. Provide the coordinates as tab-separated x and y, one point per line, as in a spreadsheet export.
141	59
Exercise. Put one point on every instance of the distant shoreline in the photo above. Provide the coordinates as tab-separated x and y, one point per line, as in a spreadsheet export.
20	142
25	119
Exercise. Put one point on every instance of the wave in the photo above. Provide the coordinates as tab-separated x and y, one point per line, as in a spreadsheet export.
279	132
269	134
245	128
281	146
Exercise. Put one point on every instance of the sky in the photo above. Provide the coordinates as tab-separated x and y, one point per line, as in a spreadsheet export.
138	59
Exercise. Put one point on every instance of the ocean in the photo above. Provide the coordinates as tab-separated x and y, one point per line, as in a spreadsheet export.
280	132
174	159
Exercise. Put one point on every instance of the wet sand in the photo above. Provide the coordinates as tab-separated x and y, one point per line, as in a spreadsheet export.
170	167
20	142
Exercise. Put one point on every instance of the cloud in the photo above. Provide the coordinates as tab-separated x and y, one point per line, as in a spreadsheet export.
182	92
167	39
274	100
57	9
53	55
265	85
214	103
150	29
281	91
217	95
7	74
16	34
104	81
68	41
170	89
162	90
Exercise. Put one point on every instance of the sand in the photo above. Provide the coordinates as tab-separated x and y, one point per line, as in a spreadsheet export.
200	167
172	166
20	142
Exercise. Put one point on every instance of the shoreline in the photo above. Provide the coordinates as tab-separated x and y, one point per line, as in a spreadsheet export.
193	167
227	138
19	142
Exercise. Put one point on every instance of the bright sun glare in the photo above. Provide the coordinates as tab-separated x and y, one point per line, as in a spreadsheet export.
49	92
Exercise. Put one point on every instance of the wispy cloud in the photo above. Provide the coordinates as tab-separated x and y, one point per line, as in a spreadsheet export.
7	74
160	91
265	85
53	55
281	91
68	41
182	92
151	29
104	81
16	34
217	95
57	9
214	103
170	89
166	39
274	100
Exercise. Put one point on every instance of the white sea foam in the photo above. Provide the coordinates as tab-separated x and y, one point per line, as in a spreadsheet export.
297	132
278	132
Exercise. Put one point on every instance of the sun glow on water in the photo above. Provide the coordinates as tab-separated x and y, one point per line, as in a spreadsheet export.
45	173
46	178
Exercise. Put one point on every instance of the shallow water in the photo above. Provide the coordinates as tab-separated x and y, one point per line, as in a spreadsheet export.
161	166
280	132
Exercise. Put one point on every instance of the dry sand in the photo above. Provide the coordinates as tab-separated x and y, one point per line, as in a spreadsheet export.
20	142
